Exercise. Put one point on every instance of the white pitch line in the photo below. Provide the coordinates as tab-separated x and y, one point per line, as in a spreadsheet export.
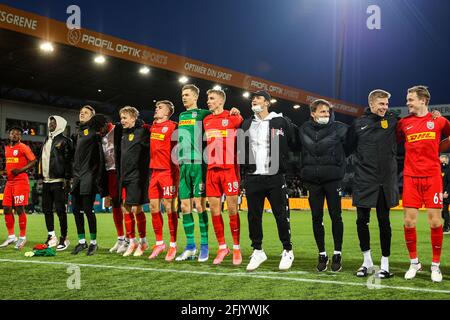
230	274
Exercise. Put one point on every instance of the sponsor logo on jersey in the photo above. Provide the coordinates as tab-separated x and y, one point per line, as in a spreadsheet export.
216	134
384	124
190	122
131	137
421	136
86	132
430	125
15	152
12	160
164	130
224	122
194	114
157	136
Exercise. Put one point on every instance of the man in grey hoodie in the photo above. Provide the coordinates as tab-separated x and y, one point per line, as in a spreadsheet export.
55	166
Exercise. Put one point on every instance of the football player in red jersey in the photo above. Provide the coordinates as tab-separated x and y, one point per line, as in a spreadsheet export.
19	158
164	179
222	176
422	181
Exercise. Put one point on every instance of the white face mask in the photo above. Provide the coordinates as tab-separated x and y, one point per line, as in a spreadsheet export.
257	109
323	120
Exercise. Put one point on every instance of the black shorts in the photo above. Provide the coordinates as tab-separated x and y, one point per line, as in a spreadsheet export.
134	194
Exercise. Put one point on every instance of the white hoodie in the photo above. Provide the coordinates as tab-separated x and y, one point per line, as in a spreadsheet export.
60	127
260	141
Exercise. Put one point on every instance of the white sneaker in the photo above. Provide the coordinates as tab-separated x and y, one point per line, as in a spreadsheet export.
63	244
116	246
413	269
287	257
123	247
8	241
131	247
21	243
436	275
257	257
52	242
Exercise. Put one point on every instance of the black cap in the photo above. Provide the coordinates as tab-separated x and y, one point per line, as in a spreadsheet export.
262	93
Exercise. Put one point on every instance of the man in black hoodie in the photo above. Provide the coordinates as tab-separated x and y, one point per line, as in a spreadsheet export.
55	167
87	173
446	190
322	170
264	143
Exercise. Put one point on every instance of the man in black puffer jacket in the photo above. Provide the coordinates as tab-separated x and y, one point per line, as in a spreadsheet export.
322	171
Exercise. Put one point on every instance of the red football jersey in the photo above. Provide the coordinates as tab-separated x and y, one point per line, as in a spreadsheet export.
220	131
161	145
422	136
18	157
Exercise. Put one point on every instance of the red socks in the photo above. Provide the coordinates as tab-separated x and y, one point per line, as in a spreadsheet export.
23	224
118	221
157	222
436	242
235	226
141	224
129	225
9	221
411	241
218	229
173	226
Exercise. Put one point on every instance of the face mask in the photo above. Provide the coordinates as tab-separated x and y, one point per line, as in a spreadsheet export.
257	109
324	120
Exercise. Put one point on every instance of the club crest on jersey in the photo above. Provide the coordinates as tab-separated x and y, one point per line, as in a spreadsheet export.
384	124
194	114
164	130
430	125
224	122
15	152
131	137
280	132
86	132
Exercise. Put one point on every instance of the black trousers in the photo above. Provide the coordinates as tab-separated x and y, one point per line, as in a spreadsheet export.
317	194
53	194
445	215
84	203
384	224
257	188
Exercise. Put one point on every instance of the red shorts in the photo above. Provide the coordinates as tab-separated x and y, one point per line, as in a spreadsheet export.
17	191
418	191
222	181
113	186
163	184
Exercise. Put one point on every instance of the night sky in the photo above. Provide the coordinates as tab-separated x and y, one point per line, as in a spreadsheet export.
292	42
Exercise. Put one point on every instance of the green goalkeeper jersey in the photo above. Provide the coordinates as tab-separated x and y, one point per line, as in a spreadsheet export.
190	135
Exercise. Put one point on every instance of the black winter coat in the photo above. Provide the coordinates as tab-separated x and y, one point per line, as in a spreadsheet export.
323	155
61	156
446	181
373	140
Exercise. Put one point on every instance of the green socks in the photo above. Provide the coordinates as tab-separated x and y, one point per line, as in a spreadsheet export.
203	218
188	224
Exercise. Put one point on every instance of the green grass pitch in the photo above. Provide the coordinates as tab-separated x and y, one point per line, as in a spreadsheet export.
110	276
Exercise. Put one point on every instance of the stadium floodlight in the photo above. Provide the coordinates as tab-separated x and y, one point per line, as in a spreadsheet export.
144	70
99	90
99	59
47	47
273	100
183	79
297	106
217	87
246	94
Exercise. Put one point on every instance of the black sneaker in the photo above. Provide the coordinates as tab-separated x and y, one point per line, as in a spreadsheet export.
92	249
446	230
323	263
79	247
336	264
63	244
